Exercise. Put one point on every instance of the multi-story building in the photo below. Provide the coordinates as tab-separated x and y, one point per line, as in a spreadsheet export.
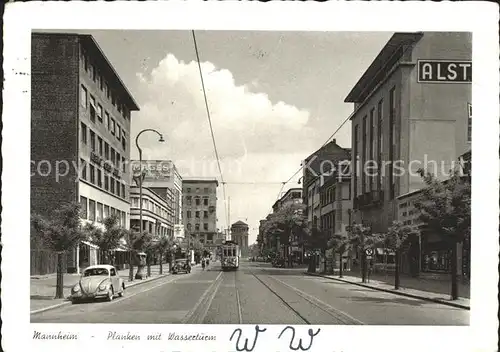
335	218
162	178
239	234
411	111
81	113
292	196
200	210
157	213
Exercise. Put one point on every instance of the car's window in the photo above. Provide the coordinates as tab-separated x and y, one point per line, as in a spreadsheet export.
96	272
113	273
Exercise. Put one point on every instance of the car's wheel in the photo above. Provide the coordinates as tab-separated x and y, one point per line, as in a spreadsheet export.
122	291
111	294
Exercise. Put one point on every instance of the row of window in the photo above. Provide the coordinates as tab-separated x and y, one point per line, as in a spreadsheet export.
103	85
95	211
153	207
197	201
102	148
197	214
206	190
197	227
96	112
100	178
328	196
371	147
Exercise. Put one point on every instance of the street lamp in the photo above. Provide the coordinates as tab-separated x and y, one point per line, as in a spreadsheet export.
161	140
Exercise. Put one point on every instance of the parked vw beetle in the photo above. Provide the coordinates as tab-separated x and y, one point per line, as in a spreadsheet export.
181	265
98	281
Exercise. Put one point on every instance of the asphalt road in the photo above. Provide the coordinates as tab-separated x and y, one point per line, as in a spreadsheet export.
256	293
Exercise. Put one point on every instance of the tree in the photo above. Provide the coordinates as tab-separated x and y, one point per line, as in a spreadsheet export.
318	239
286	222
361	238
60	232
397	238
445	209
136	243
106	240
340	242
165	247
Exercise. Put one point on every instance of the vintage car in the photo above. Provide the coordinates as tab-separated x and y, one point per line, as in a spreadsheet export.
181	265
98	281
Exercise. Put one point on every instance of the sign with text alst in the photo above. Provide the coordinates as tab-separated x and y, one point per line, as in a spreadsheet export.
443	71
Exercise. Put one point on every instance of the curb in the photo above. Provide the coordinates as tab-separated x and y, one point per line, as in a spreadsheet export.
435	300
66	302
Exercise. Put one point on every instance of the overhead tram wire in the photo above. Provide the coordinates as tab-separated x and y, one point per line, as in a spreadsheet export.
327	141
210	124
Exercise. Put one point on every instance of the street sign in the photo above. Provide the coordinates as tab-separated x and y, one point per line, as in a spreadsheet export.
368	257
369	251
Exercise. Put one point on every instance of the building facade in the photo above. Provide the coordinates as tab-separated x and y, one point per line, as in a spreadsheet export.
199	197
157	212
81	113
162	178
411	111
239	234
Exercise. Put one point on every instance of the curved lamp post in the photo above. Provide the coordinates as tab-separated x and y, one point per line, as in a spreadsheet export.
139	274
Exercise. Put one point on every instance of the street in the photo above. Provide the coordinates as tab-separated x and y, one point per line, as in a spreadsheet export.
256	293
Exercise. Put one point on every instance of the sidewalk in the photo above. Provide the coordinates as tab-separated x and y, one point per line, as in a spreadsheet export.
43	287
427	289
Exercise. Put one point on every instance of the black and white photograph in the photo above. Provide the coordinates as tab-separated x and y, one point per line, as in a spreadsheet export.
257	177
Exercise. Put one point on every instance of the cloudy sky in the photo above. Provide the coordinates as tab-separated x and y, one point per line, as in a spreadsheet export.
274	98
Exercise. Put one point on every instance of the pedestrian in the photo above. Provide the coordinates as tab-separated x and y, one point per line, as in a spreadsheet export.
203	264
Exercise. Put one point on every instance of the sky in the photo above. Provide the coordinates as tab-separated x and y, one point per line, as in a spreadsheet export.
274	98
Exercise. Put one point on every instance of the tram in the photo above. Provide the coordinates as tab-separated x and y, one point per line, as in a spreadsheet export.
230	256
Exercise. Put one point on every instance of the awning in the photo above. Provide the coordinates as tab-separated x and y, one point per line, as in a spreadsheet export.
91	245
380	251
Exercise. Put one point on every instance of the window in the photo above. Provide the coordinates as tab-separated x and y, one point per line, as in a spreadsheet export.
197	214
112	272
99	113
197	227
92	109
188	200
108	92
83	96
99	145
124	219
83	166
113	157
99	212
371	153
118	160
85	62
205	190
205	214
106	150
94	73
106	182
113	99
205	226
363	157
197	190
188	190
113	126
112	185
469	123
101	82
118	188
107	120
99	178
197	201
380	141
83	204
188	214
124	141
205	201
118	132
106	211
91	210
123	190
92	140
83	130
189	226
123	164
92	173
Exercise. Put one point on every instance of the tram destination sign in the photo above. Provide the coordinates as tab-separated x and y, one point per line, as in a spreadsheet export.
444	71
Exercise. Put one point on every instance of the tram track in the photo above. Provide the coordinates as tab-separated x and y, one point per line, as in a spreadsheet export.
340	317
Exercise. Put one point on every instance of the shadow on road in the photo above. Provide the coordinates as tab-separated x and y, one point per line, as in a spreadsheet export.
397	300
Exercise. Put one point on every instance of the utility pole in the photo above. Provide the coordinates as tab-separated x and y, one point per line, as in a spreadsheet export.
229	217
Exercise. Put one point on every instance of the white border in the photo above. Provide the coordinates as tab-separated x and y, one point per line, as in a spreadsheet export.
479	18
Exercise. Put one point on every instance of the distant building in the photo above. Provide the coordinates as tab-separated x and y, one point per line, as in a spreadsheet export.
292	196
200	210
80	114
239	234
